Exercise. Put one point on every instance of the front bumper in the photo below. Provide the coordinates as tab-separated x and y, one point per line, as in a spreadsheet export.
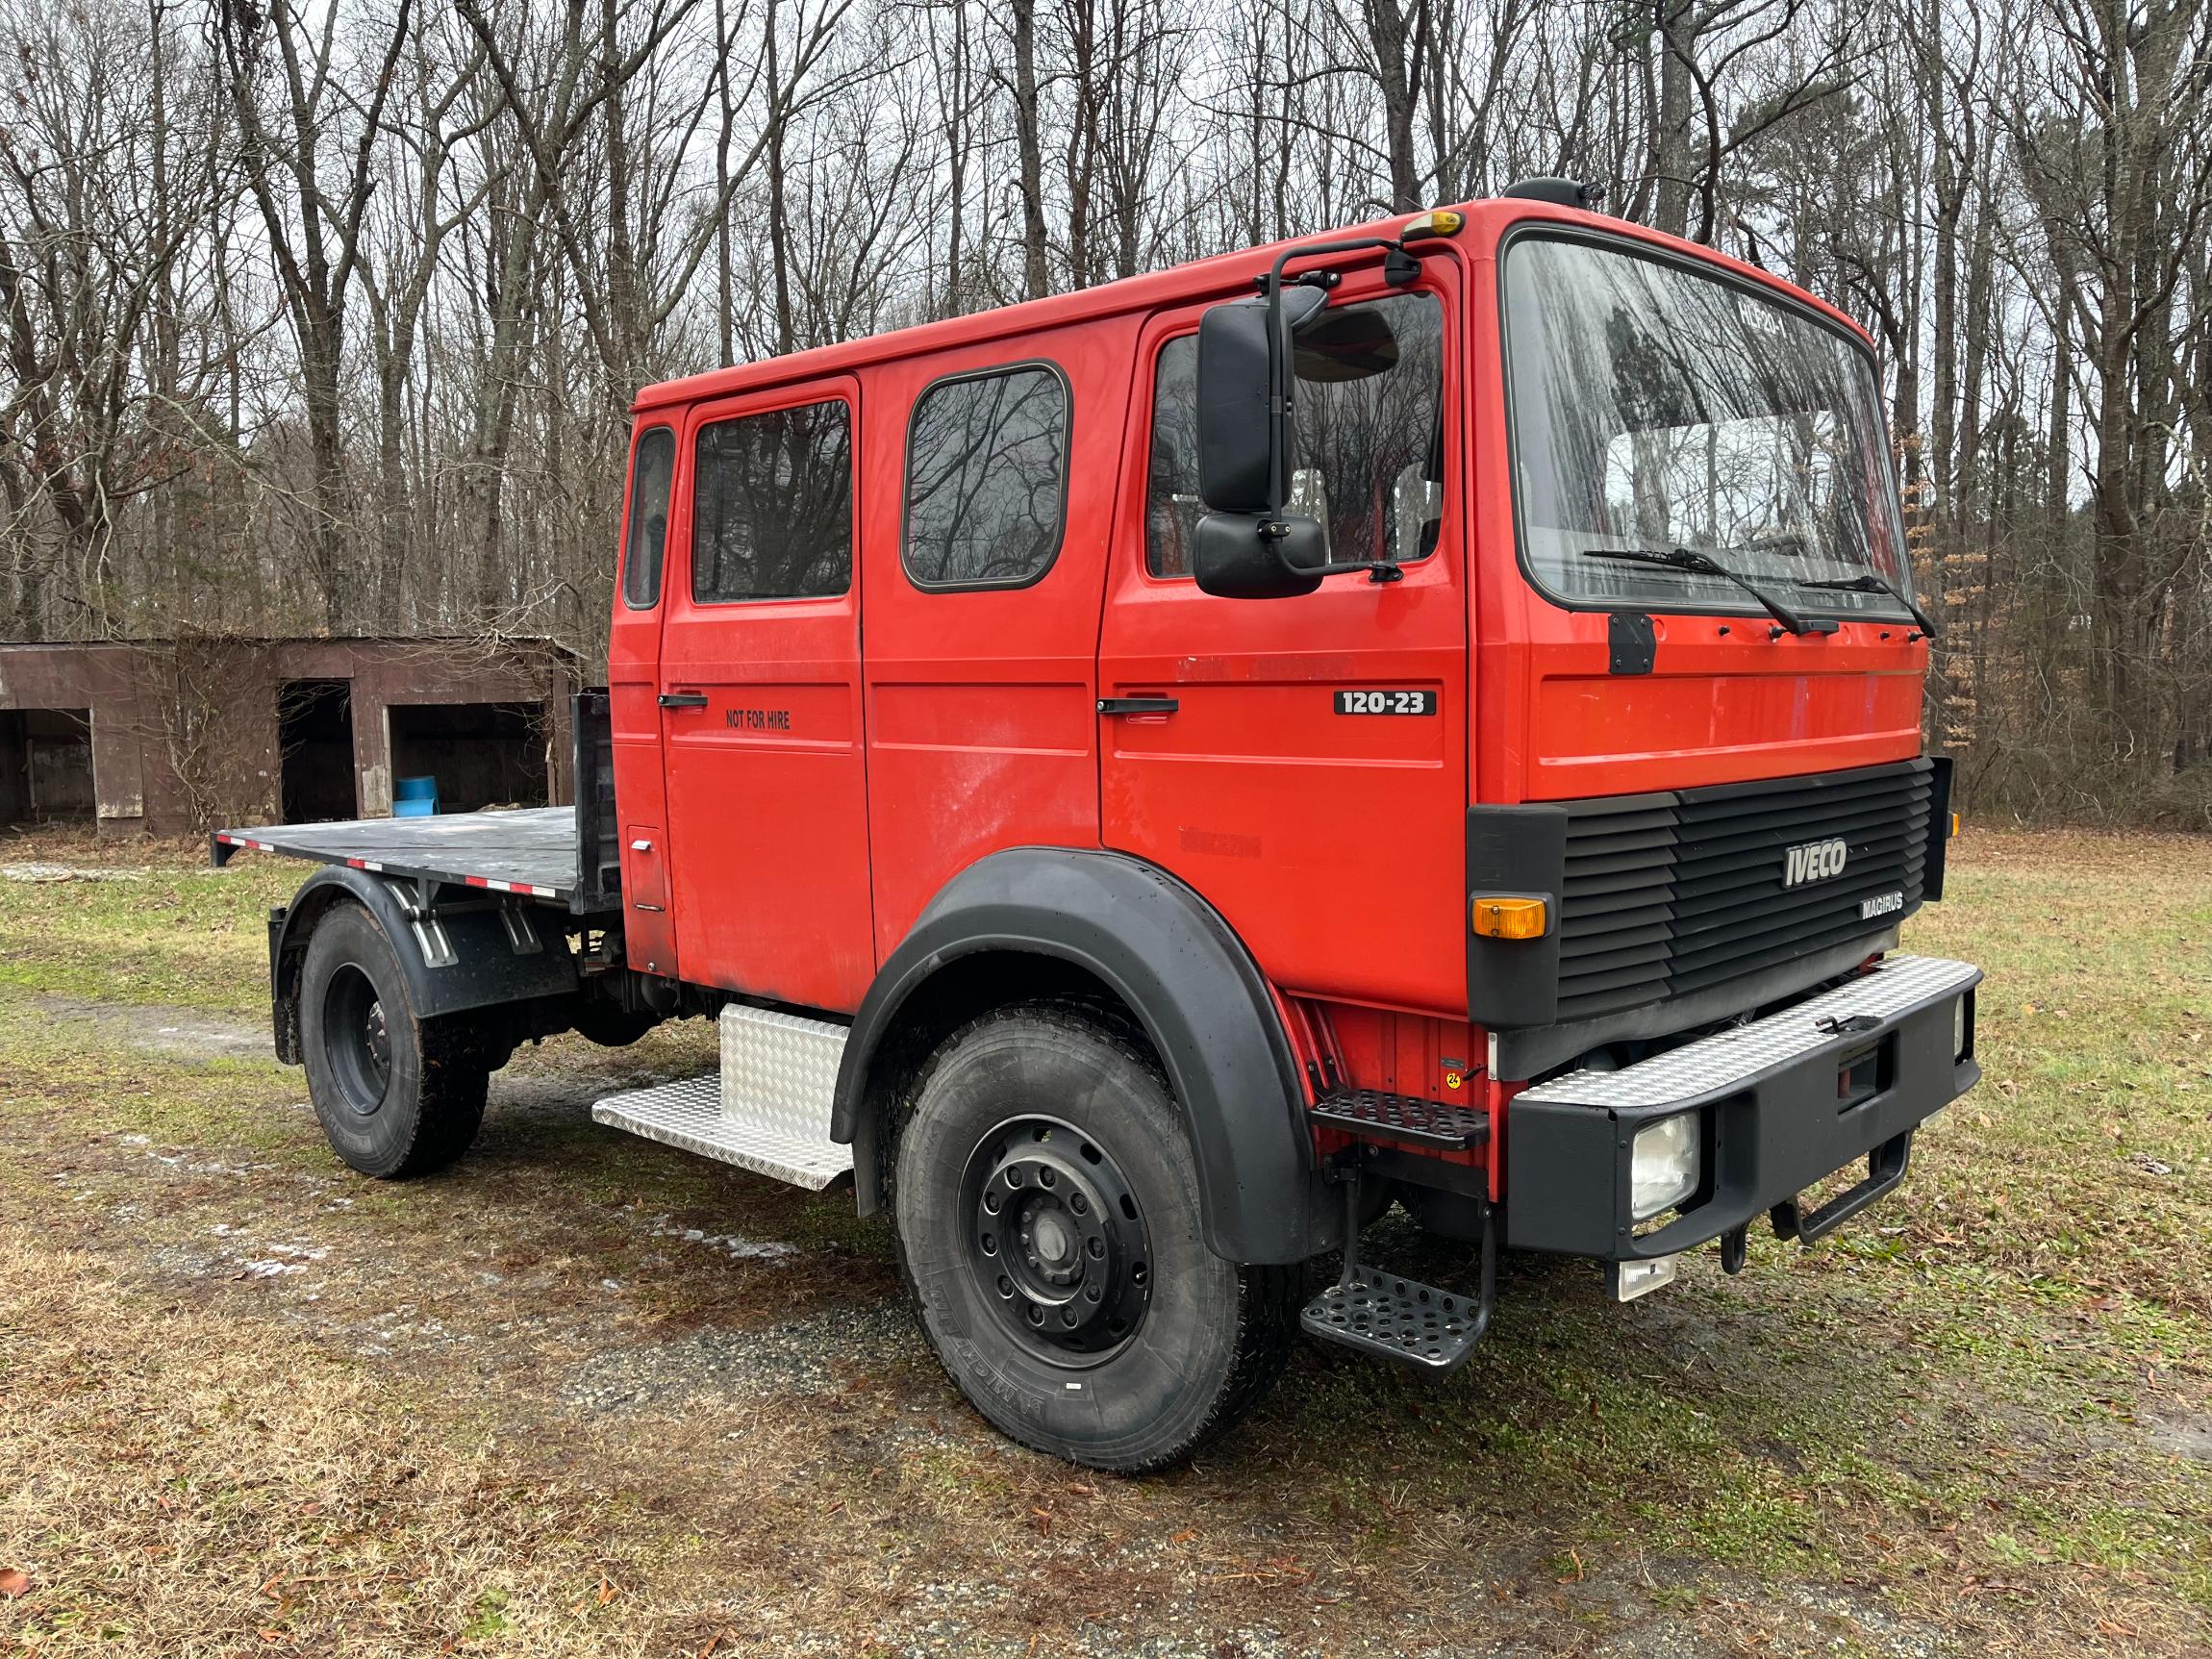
1783	1102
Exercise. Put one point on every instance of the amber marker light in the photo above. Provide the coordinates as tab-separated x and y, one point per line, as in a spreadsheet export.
1441	223
1509	918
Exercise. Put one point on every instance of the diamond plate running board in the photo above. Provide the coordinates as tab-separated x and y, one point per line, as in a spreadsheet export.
766	1111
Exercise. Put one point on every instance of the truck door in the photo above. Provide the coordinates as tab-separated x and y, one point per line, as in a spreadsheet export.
761	704
1302	763
984	581
633	684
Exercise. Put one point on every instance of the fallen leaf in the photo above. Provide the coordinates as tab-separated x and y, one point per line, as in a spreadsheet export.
14	1582
607	1593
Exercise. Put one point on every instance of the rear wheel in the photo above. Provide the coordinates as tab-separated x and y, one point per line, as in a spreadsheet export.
1046	1202
396	1095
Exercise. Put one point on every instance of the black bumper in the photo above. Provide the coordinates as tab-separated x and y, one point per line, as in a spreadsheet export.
1764	1139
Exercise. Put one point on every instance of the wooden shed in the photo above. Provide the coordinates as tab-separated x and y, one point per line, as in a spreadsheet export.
166	737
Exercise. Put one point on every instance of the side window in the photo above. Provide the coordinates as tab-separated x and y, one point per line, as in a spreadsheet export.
986	479
650	474
1370	461
772	505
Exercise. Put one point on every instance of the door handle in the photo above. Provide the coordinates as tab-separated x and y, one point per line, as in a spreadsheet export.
682	699
1138	705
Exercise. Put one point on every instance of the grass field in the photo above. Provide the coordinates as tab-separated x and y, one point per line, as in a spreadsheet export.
585	1395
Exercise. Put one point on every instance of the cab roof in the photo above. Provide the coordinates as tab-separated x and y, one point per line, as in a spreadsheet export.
1222	275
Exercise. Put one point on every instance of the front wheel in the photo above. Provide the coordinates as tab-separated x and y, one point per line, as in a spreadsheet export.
1046	1202
396	1095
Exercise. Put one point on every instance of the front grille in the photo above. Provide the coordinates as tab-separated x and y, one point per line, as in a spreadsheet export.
1668	893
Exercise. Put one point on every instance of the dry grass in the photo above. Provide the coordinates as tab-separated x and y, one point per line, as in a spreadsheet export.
1979	1421
181	1479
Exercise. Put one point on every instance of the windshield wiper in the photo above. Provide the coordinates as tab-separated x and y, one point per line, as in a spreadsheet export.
1705	564
1873	584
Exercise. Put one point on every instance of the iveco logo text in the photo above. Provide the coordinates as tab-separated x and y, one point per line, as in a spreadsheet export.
1814	861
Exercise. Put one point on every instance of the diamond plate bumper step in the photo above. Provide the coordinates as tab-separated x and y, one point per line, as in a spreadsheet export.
1370	1114
768	1109
1712	1066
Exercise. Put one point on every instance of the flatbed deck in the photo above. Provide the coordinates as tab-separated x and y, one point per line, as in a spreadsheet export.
529	852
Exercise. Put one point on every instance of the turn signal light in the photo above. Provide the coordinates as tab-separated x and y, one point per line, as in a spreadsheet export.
1441	223
1509	918
1954	826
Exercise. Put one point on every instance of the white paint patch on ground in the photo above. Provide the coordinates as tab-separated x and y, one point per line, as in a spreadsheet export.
43	873
735	1245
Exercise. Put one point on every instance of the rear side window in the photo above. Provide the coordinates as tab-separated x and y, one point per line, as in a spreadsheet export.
648	533
986	479
1369	435
772	505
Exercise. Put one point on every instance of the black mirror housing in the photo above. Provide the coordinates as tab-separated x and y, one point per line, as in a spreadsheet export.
1232	560
1234	463
1236	457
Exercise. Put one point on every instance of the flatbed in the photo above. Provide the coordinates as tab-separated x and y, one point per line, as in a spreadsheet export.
530	850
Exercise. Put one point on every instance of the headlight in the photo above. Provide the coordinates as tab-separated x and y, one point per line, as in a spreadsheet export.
1959	1029
1662	1165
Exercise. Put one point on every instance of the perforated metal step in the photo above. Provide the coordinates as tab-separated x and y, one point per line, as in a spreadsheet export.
766	1111
1396	1319
1370	1114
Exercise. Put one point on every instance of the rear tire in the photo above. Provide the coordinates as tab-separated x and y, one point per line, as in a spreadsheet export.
396	1095
1047	1218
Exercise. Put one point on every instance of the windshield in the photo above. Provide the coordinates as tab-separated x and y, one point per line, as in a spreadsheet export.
1656	408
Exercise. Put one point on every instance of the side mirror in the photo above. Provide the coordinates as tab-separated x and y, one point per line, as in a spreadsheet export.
1238	442
1233	559
1244	548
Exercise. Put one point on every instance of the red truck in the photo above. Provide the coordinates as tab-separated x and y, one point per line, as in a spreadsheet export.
1149	778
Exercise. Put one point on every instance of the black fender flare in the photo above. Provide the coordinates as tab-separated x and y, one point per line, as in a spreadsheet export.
1187	978
485	969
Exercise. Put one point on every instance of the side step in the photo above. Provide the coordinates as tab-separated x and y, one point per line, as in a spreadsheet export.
769	1109
1396	1319
1392	1317
1370	1114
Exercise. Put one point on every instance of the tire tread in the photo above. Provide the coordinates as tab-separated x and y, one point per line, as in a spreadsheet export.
1269	1298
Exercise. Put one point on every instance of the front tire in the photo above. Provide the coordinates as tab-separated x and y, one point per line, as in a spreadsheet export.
396	1095
1047	1217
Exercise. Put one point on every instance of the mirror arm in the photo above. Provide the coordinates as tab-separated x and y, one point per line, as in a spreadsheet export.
1274	529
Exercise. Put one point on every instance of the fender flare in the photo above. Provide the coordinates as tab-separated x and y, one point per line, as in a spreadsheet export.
1187	978
485	969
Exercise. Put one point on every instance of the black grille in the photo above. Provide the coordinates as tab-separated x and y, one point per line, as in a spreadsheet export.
1668	893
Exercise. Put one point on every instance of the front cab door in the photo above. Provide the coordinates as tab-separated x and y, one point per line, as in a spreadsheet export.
1303	762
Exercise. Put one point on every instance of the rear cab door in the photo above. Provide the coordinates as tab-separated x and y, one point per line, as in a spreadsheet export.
1306	768
760	700
632	685
991	506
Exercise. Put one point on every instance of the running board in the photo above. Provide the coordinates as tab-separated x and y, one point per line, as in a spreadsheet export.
768	1109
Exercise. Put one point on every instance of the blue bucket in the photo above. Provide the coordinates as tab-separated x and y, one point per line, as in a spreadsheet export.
413	797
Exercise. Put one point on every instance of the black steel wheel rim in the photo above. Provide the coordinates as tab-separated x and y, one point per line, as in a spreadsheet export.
1056	1242
357	1041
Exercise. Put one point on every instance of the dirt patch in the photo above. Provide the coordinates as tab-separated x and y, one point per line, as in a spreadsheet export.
157	1028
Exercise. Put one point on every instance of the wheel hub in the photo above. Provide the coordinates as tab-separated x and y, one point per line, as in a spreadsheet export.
357	1041
1056	1241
